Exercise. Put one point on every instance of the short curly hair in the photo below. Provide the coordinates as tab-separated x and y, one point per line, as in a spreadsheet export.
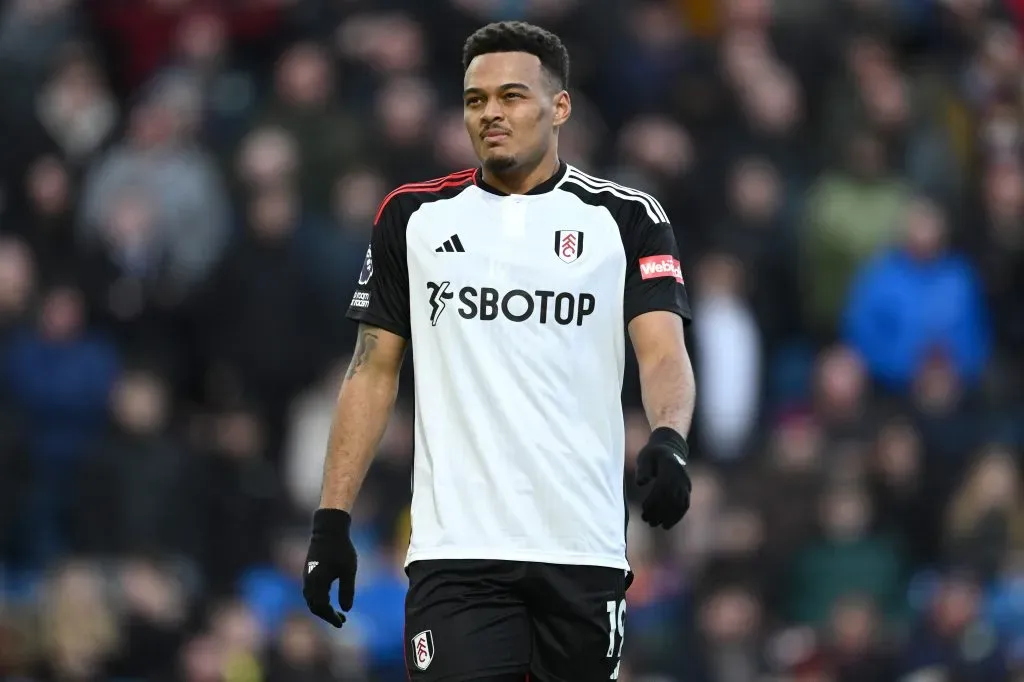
520	36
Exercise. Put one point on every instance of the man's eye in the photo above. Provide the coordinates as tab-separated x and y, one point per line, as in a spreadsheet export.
472	101
513	95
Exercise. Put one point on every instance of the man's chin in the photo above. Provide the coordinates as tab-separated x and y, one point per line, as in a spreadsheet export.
500	163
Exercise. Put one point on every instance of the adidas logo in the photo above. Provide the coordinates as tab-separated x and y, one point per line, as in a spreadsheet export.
311	565
451	245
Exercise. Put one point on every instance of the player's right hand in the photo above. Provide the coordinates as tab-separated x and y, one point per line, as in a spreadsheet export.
331	556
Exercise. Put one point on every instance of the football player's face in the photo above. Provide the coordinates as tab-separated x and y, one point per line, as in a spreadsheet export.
510	109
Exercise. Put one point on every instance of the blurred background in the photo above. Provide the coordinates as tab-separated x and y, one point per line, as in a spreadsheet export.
186	193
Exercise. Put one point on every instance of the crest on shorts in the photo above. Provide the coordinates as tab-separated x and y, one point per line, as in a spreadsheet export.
367	272
423	649
568	245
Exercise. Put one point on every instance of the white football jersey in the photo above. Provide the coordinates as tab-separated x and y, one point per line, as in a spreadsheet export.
516	309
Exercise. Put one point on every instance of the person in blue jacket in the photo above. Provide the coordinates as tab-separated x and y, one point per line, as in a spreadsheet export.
917	300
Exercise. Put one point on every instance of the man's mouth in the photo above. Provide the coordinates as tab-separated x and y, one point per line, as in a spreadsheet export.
495	134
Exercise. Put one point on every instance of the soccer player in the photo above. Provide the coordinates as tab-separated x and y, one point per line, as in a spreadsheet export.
516	283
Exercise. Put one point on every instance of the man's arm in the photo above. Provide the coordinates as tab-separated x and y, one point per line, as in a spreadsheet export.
380	304
655	307
365	403
667	385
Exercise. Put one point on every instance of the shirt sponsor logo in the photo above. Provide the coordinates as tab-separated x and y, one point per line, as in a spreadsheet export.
516	305
660	266
361	299
439	294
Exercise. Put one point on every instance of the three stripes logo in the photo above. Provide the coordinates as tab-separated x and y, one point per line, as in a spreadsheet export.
451	245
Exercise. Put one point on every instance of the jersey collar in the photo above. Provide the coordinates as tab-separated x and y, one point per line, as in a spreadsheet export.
542	188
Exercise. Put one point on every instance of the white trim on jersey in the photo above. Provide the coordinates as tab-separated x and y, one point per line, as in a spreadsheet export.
654	209
597	182
589	182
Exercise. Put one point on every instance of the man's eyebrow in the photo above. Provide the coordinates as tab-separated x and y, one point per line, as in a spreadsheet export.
501	88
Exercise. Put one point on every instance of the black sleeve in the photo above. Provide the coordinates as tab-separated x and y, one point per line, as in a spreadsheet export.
654	278
381	298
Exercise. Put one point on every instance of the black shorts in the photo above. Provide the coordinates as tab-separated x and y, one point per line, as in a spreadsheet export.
471	619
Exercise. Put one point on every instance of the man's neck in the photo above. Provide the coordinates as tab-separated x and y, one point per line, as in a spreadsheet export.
522	180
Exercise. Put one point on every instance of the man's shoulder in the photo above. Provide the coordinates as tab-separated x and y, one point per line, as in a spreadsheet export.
405	199
622	201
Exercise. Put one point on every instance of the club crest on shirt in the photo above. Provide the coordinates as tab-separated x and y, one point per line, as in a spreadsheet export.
367	272
423	649
568	245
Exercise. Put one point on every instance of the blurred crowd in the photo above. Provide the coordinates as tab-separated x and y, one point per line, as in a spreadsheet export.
186	193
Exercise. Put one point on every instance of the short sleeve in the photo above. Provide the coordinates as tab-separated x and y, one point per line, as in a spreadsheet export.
654	278
381	297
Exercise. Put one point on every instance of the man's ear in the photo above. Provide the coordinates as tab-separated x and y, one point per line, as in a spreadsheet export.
563	108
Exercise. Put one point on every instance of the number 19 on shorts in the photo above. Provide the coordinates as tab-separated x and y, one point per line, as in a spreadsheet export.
616	625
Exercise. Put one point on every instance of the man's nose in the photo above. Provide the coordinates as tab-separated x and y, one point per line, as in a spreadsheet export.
492	111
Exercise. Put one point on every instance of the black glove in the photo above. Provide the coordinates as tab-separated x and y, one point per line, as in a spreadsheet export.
662	462
331	556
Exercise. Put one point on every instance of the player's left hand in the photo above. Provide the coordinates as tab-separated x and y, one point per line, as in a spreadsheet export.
662	464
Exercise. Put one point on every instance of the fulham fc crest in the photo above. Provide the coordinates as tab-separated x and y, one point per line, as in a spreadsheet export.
568	245
423	649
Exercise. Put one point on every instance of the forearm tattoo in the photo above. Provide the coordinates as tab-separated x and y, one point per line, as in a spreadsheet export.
365	345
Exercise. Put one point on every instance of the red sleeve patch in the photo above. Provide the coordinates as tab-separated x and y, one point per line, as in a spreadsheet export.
660	266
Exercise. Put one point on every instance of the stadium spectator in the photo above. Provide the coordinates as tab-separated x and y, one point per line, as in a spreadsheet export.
916	301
